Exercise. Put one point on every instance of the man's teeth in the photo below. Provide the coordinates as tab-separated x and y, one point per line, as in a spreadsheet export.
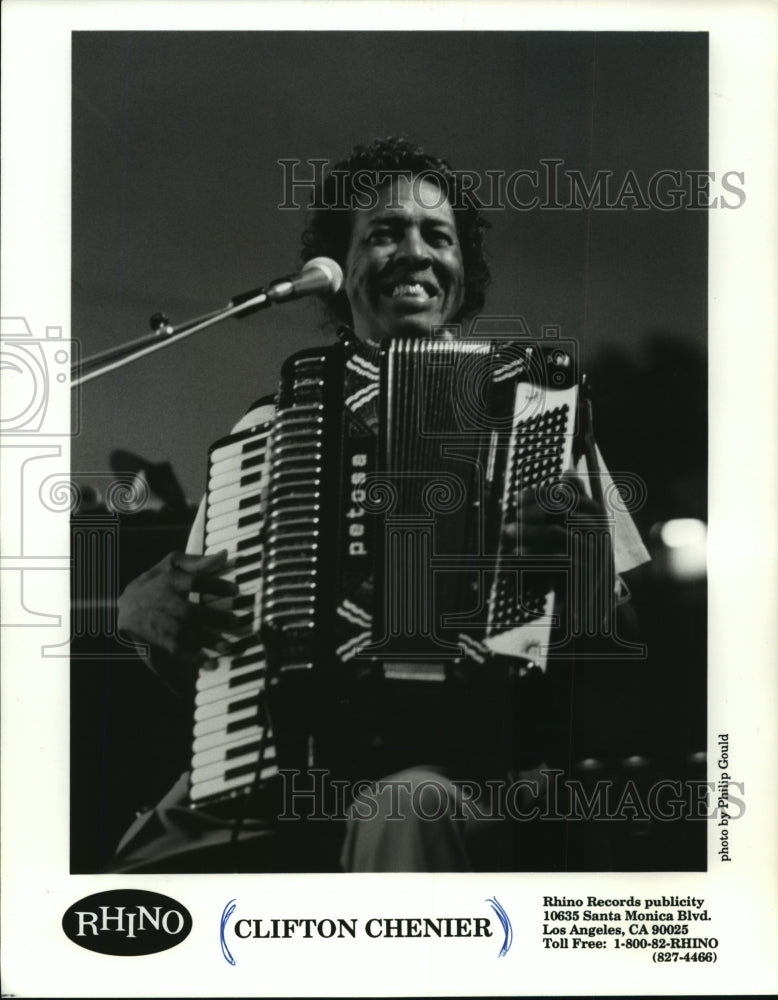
418	290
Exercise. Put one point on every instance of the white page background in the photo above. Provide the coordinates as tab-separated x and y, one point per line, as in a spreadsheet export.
37	957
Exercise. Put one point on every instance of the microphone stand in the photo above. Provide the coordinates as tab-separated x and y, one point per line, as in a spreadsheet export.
164	335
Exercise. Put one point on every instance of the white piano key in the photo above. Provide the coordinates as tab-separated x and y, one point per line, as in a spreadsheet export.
219	753
221	722
224	739
246	445
219	768
209	679
224	467
224	691
218	786
209	709
234	517
249	559
229	480
226	536
242	446
225	671
237	489
250	501
230	474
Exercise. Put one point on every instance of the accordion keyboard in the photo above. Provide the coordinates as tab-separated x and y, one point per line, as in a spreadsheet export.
230	739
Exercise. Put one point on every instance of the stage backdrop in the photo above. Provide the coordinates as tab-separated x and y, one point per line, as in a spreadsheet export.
177	139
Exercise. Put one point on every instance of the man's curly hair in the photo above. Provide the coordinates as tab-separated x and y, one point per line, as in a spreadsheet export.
328	232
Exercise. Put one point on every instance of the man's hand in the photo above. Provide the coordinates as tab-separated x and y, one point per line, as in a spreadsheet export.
579	569
541	527
155	609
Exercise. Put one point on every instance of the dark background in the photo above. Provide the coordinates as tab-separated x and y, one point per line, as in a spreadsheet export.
176	183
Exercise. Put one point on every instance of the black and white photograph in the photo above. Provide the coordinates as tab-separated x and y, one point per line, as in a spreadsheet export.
533	228
394	533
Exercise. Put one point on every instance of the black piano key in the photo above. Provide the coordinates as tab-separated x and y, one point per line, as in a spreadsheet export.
247	560
249	678
250	542
241	703
252	463
243	602
244	661
249	501
238	772
249	480
234	727
254	445
243	749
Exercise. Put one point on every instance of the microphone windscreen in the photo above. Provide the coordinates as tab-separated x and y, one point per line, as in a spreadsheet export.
331	269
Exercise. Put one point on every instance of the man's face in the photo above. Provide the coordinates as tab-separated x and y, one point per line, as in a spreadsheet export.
404	271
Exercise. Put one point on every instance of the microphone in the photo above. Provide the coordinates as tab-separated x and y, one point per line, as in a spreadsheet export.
320	276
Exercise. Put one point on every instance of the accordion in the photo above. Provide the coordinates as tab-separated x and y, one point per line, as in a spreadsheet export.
387	617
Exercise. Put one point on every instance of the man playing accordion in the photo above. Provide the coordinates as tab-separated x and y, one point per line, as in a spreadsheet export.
405	791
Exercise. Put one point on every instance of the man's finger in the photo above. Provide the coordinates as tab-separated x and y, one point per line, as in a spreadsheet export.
216	643
574	479
215	586
199	564
226	621
555	488
536	539
543	539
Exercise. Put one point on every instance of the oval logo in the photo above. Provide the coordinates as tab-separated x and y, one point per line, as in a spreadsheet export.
127	922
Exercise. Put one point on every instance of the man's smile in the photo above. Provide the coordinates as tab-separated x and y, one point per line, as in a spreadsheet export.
414	289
